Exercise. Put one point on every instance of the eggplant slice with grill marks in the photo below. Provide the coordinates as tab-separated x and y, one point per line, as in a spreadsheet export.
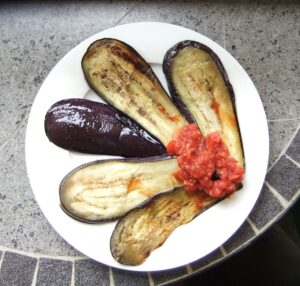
119	75
92	127
200	87
144	229
106	190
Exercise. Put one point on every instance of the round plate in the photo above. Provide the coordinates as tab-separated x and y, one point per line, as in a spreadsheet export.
48	164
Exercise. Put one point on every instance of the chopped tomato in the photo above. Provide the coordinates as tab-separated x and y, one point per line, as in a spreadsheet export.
205	162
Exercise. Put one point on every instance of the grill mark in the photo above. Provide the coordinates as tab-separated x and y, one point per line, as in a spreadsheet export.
119	70
197	103
100	182
112	197
132	57
125	78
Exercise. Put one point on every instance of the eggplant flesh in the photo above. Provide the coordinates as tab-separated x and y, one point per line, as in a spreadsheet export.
199	85
107	189
92	127
144	229
118	74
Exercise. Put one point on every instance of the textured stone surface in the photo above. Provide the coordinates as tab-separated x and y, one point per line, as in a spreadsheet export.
130	278
243	234
54	272
266	208
17	270
201	16
22	223
91	273
294	150
285	177
34	37
280	133
210	258
264	37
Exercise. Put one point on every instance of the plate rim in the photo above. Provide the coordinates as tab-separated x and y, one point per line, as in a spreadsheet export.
89	40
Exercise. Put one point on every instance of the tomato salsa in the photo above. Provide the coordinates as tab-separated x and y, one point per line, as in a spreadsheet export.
205	163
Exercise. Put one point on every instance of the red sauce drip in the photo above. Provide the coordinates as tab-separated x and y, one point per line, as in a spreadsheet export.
133	184
172	117
215	106
205	163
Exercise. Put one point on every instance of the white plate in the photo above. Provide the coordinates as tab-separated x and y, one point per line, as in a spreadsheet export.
48	164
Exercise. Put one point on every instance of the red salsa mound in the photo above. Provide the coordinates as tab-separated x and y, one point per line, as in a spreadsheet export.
205	163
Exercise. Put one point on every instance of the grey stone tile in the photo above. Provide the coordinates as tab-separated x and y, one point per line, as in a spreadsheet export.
243	234
54	272
17	270
201	16
264	37
266	208
285	177
34	37
161	277
208	259
294	149
280	133
22	224
91	273
130	278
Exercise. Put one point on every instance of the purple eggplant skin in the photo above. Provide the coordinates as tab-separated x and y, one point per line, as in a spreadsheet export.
92	127
167	69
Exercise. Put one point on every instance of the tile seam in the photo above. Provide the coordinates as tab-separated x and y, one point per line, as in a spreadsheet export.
1	260
130	9
150	279
166	283
271	222
285	148
34	279
223	251
14	132
253	226
283	201
72	282
111	277
40	255
292	160
189	269
224	32
284	119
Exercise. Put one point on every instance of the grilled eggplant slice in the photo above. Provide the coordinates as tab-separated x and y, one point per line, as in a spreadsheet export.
201	89
107	189
117	73
144	229
93	127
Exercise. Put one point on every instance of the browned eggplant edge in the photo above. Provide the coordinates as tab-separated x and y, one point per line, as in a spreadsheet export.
150	201
140	64
167	69
134	160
